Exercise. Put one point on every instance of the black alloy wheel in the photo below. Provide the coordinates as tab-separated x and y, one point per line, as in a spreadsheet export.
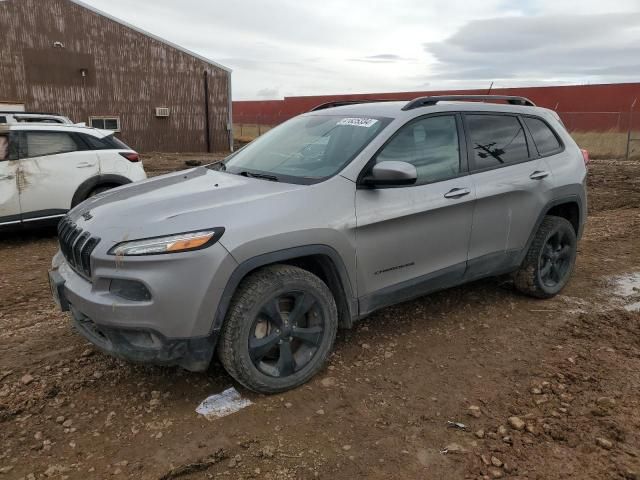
555	258
279	329
286	334
548	264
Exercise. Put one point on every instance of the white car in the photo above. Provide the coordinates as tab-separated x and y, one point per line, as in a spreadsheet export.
47	169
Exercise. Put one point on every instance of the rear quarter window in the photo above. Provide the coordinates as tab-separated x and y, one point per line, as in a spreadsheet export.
546	140
105	143
115	143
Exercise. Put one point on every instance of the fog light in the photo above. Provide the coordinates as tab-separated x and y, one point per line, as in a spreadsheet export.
130	290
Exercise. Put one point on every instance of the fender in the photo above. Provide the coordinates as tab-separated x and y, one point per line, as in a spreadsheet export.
573	198
90	183
280	256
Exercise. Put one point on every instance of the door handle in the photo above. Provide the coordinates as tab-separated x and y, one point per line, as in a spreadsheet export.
85	165
7	177
457	193
538	175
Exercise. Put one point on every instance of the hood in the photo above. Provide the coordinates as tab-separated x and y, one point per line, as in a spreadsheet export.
178	202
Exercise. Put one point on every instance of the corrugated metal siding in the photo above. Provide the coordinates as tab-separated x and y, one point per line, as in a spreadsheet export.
583	107
134	74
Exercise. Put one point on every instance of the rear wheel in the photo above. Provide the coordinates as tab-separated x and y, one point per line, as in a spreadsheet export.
280	328
550	260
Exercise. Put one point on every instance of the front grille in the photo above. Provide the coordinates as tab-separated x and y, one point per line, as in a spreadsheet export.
76	246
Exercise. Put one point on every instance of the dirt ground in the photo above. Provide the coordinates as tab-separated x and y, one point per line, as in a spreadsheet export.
544	389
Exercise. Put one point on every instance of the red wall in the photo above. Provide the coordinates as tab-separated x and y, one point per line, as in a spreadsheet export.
582	107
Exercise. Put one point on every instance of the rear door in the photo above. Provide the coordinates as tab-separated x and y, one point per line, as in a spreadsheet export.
413	239
9	197
52	166
513	186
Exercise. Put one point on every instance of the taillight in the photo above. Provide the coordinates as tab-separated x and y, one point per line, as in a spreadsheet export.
131	156
585	156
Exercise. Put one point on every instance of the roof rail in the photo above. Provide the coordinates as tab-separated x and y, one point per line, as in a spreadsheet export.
342	103
430	101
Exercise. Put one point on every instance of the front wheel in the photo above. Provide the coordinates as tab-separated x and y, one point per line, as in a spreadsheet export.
279	330
549	262
99	190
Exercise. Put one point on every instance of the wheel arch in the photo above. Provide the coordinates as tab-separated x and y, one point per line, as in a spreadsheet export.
570	210
321	260
89	184
570	207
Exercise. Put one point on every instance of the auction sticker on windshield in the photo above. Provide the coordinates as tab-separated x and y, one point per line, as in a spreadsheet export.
358	122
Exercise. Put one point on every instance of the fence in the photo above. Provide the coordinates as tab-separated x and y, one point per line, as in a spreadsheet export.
574	121
604	134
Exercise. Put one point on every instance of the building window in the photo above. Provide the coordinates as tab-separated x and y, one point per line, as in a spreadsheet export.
105	123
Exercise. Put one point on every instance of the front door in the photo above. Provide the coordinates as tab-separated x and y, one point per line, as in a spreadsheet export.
53	165
9	198
414	239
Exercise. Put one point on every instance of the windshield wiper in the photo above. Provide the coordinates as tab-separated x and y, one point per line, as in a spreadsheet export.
262	176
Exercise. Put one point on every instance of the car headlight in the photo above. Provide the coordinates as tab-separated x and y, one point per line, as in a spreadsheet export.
181	242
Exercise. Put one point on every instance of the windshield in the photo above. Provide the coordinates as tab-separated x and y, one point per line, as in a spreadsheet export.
306	149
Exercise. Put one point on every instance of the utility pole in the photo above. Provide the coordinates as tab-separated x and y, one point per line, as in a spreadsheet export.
629	139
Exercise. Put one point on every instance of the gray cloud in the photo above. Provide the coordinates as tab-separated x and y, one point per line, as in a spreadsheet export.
593	47
312	48
267	93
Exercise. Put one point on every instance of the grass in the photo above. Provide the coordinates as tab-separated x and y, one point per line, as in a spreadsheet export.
607	144
601	145
248	131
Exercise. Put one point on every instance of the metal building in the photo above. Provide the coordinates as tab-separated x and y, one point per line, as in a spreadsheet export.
65	56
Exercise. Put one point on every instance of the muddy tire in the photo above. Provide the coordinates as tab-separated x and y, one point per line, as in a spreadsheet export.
548	265
279	329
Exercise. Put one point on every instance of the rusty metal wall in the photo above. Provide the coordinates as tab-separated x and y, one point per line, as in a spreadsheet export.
132	75
582	107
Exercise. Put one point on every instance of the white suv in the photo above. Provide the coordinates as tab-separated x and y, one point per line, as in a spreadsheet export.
47	169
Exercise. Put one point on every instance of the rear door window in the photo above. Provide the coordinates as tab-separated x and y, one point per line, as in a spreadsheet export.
495	140
546	141
49	143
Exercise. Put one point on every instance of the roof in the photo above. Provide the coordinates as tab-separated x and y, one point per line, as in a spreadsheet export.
155	37
58	127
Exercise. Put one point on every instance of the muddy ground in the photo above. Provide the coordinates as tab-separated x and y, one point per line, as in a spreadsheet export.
545	389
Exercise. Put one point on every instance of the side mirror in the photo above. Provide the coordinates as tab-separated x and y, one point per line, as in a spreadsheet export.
391	174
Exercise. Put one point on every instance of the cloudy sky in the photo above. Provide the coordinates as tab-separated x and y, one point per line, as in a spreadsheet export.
282	48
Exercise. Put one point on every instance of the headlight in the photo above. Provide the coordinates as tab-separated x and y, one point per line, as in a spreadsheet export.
181	242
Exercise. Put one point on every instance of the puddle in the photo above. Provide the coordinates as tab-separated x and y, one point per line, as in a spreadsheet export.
628	287
633	307
222	404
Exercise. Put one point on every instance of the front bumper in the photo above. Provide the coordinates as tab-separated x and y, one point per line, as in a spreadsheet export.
146	346
172	327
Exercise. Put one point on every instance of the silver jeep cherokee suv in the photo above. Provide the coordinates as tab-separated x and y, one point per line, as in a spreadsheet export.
324	219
